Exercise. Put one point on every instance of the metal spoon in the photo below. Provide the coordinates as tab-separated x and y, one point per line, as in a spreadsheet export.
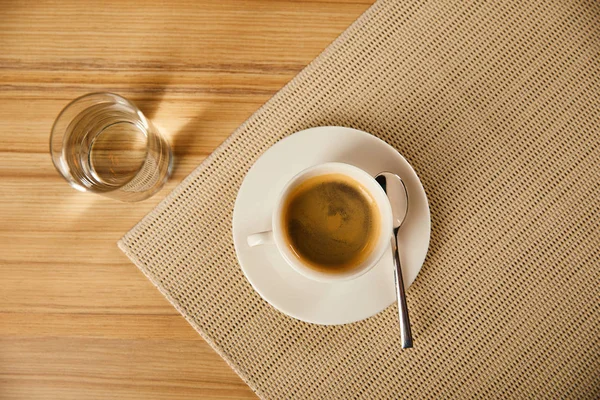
395	189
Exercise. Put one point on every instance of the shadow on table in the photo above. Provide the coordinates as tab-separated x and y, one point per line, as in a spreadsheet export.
189	137
152	96
192	136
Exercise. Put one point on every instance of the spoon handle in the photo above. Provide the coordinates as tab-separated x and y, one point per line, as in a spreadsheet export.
405	334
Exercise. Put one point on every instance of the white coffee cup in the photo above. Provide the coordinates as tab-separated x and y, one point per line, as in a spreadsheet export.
277	236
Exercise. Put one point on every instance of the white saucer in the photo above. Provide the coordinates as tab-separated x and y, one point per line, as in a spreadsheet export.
284	288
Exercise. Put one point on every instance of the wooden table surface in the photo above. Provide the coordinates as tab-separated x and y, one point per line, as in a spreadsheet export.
77	319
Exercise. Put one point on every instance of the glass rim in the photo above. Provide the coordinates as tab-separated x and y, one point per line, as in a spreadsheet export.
53	150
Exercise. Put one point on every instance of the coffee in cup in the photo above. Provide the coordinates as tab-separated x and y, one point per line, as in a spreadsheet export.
332	222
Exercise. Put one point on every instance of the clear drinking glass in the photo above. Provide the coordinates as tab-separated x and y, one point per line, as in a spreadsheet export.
102	143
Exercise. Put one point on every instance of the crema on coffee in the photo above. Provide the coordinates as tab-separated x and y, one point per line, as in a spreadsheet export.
331	222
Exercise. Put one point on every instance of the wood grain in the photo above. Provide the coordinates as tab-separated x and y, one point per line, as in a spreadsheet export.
77	319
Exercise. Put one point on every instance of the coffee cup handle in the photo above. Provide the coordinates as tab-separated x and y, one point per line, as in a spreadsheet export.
260	238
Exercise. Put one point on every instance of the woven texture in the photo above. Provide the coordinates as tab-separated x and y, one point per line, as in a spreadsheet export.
497	107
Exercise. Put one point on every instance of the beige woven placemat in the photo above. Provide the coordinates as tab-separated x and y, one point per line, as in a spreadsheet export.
497	106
